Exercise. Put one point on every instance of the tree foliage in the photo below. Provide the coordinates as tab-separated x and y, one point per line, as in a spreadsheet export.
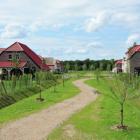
96	64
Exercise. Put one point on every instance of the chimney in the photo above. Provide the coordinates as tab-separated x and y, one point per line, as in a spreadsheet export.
134	44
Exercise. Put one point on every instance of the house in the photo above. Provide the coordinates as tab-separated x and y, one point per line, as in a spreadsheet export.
118	66
131	63
18	58
54	65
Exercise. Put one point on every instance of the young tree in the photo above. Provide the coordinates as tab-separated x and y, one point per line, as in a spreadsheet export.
101	66
63	79
108	67
15	64
92	67
2	85
39	77
97	73
55	84
84	67
122	88
76	67
67	67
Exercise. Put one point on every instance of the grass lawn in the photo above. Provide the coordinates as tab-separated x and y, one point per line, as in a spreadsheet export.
30	104
94	122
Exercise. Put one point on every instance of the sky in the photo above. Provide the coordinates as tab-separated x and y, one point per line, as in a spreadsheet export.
71	29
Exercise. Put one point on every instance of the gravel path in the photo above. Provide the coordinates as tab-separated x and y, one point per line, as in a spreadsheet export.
39	125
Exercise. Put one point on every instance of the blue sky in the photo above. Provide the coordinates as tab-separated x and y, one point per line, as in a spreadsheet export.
71	29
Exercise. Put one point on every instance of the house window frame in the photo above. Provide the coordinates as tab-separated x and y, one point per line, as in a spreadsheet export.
10	57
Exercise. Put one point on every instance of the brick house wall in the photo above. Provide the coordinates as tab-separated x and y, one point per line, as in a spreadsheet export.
22	57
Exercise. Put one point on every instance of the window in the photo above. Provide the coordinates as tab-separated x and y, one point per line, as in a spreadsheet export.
33	69
26	70
10	57
17	56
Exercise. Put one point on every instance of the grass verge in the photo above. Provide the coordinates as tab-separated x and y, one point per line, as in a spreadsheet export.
95	121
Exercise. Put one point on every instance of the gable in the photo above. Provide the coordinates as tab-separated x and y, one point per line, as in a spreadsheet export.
1	50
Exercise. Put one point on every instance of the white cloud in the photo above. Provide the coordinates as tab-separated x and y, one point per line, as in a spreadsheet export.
58	13
38	18
126	19
95	23
14	30
95	44
133	38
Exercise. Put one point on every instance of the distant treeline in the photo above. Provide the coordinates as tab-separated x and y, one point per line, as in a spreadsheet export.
89	64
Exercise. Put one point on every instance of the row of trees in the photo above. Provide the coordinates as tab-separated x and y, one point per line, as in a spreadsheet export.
103	65
19	87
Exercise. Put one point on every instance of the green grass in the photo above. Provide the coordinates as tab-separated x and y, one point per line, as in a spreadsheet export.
30	104
23	88
94	122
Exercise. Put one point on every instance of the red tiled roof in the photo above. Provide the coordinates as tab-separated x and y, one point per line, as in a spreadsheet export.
1	50
40	57
58	61
9	64
133	50
118	61
18	47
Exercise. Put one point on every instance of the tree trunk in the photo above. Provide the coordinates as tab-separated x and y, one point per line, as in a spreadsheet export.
40	93
122	114
63	81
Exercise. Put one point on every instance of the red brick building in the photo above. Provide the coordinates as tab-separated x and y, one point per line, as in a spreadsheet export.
28	60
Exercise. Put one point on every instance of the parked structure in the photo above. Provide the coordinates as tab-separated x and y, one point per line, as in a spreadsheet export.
19	58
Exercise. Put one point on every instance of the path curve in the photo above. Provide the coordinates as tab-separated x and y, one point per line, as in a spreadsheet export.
39	125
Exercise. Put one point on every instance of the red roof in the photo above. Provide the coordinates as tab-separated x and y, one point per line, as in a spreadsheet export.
133	50
1	50
9	64
118	61
18	47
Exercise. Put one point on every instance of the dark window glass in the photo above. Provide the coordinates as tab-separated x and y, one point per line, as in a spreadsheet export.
10	57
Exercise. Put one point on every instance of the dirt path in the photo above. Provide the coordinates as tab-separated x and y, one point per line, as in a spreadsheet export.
39	125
